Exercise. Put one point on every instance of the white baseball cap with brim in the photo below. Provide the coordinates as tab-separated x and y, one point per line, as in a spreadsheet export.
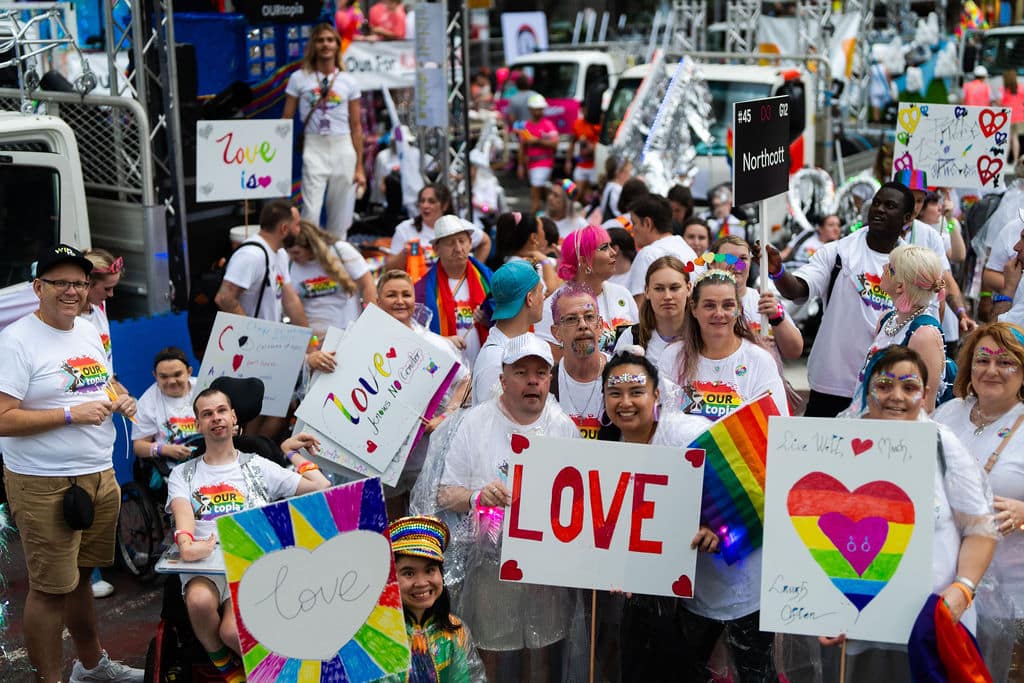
536	102
525	345
449	225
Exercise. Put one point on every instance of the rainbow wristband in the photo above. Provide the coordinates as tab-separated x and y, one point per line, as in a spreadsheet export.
776	276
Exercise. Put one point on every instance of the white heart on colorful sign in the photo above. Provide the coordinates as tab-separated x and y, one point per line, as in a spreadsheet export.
283	187
306	604
207	188
204	131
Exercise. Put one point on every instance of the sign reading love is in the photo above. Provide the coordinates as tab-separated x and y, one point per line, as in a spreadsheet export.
390	377
848	527
956	146
314	587
249	347
243	159
589	514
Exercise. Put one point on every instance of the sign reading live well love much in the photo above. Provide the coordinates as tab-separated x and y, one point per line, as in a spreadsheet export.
589	514
390	378
249	347
956	146
316	596
243	159
849	517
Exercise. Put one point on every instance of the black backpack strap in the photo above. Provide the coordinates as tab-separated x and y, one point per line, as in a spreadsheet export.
554	381
266	273
837	268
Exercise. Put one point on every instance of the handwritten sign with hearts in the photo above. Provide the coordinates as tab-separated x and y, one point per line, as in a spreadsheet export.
956	146
243	159
848	526
589	514
247	347
392	376
314	589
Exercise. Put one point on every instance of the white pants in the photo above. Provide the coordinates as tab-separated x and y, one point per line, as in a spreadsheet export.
328	167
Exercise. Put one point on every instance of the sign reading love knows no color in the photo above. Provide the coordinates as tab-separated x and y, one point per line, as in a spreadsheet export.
314	589
391	377
848	526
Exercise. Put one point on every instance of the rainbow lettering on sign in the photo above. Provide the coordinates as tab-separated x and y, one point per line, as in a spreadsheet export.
85	374
857	537
260	152
318	286
360	395
869	286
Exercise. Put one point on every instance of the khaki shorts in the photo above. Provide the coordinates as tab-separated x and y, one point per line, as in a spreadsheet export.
53	551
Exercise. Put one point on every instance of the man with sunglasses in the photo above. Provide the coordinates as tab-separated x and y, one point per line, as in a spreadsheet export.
55	432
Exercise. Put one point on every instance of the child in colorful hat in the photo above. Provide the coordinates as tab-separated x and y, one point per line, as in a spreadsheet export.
442	648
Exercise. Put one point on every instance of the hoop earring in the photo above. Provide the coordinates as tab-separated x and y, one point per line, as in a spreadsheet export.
657	411
601	421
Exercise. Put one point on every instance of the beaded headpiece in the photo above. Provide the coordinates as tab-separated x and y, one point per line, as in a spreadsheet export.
420	537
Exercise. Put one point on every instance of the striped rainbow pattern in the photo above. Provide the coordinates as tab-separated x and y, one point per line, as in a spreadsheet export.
381	646
817	494
733	501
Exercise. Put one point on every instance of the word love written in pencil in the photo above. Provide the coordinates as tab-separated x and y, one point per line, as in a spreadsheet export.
574	494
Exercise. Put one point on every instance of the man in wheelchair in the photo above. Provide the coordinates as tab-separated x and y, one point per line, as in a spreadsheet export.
224	481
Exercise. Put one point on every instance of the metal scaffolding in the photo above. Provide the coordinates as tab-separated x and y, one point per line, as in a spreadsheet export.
686	27
741	17
814	19
860	79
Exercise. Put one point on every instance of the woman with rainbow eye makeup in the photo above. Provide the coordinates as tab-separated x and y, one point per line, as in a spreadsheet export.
988	416
965	533
651	633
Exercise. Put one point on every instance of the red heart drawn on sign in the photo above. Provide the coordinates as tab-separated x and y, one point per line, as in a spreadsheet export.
370	446
519	443
988	168
236	362
391	352
990	122
695	456
683	587
861	445
510	571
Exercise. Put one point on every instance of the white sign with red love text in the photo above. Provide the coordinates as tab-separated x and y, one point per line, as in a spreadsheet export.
243	159
589	514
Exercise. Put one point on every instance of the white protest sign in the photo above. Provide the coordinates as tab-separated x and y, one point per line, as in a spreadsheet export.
315	586
243	159
387	378
848	526
387	63
588	514
956	146
523	33
249	347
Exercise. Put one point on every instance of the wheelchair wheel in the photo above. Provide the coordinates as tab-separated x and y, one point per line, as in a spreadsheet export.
139	531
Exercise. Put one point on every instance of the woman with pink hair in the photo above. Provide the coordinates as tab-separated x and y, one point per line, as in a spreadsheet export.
588	258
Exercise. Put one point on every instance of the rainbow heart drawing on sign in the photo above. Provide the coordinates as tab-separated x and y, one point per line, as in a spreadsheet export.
857	537
319	538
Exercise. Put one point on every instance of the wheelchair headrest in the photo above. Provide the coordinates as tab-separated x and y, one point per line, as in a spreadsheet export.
246	394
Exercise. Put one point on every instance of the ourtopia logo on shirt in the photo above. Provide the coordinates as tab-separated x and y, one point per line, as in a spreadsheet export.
179	429
712	399
318	286
85	374
216	500
869	286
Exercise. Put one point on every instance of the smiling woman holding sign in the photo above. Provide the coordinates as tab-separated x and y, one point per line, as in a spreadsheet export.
894	388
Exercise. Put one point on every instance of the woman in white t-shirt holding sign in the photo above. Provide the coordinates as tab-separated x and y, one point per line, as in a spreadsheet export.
327	100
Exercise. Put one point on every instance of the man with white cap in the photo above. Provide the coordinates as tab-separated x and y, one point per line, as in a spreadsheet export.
976	92
457	289
506	616
518	297
538	140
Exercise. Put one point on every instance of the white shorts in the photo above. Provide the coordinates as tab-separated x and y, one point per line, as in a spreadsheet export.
584	174
218	580
539	176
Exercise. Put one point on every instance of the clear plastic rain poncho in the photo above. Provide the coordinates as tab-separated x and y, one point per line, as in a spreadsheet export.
469	450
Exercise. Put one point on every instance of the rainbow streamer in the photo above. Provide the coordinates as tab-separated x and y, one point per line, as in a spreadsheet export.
733	502
381	646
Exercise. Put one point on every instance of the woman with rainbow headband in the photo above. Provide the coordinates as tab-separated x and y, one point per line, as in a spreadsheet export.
894	388
442	648
988	417
719	364
588	258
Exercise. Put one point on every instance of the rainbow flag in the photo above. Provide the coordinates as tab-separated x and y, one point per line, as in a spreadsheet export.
733	503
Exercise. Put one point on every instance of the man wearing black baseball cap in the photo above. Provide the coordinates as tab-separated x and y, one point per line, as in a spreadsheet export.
57	439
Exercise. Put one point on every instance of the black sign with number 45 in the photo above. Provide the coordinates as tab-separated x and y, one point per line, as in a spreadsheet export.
760	161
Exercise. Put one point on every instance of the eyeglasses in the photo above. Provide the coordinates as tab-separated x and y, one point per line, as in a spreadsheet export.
574	320
62	285
113	269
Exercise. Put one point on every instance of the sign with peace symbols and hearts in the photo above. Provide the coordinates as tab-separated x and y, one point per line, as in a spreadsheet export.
590	514
956	146
243	159
388	378
848	526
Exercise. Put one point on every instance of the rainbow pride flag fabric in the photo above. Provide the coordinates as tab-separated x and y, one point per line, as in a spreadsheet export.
734	470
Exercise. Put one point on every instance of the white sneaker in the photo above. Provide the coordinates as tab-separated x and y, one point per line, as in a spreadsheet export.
106	670
102	589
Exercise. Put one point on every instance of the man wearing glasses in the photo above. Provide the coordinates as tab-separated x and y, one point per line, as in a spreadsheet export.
55	431
576	379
